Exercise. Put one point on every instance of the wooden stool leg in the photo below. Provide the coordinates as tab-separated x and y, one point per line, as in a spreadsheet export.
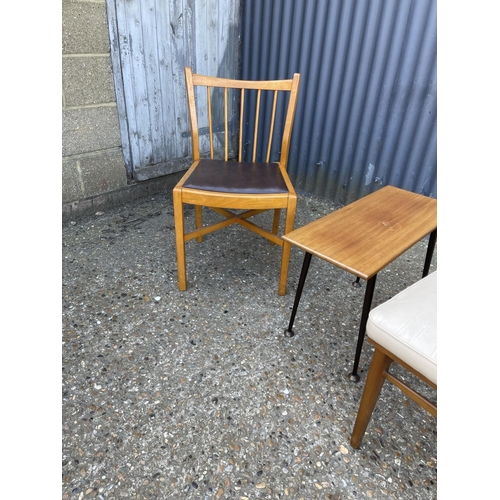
373	385
179	238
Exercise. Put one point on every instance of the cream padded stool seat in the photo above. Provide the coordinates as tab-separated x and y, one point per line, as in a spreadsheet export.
402	330
406	325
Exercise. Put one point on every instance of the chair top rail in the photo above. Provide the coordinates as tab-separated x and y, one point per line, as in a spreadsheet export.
213	81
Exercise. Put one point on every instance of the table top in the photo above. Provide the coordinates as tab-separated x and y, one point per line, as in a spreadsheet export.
366	235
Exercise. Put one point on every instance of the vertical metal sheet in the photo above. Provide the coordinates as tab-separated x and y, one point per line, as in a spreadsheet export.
151	42
366	115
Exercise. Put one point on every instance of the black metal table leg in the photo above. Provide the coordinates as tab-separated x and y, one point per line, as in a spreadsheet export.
430	252
303	273
370	287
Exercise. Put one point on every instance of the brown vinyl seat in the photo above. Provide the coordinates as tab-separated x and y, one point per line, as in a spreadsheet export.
235	187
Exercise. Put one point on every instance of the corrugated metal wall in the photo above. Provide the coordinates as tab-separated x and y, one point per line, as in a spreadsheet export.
151	42
366	115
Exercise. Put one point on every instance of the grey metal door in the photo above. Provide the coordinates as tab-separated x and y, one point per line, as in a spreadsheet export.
151	42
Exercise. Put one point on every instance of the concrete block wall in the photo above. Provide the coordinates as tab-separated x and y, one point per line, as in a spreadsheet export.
93	167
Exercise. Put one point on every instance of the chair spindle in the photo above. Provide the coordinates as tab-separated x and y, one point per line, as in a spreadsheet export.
256	129
210	134
242	107
271	130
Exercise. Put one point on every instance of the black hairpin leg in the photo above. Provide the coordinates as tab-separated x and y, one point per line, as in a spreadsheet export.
430	252
305	267
370	287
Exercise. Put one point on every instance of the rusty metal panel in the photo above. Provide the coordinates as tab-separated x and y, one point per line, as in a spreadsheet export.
367	109
151	42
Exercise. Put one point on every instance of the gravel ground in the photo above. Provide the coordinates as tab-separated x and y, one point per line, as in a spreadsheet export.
199	395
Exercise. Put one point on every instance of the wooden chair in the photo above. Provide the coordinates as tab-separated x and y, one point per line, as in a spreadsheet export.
402	330
226	185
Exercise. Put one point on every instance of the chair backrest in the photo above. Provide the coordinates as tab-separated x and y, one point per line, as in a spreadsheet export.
265	118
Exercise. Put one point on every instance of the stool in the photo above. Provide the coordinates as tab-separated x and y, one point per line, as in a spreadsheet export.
402	330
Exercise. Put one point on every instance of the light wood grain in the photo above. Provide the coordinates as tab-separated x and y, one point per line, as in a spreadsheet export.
365	236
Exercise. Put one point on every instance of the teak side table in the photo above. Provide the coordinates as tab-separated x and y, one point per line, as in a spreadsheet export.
363	238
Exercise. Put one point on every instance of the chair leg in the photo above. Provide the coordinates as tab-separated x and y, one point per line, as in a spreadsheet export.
276	220
198	219
179	238
286	247
374	382
285	260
